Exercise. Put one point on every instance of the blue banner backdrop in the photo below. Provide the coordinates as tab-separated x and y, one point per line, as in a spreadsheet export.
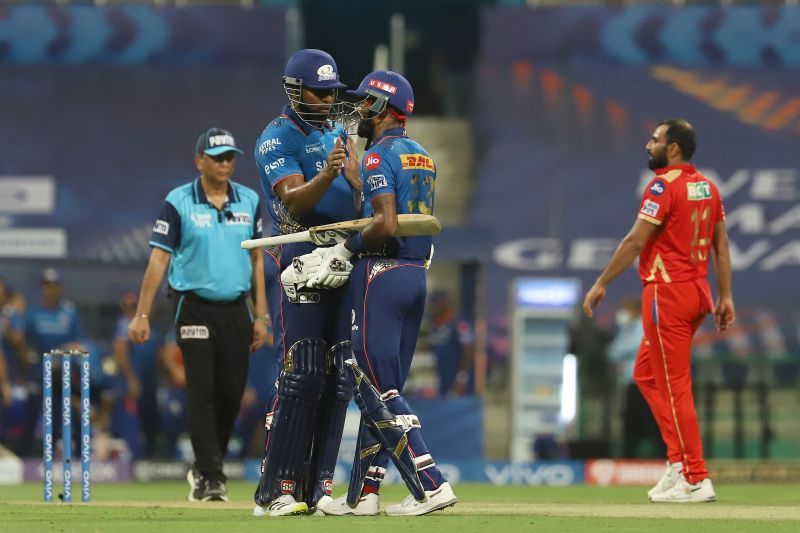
567	100
102	108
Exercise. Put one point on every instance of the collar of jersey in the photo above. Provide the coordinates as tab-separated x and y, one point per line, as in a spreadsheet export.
391	132
200	195
686	167
301	124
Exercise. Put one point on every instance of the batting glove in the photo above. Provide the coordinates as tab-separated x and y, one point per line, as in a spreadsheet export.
334	270
295	276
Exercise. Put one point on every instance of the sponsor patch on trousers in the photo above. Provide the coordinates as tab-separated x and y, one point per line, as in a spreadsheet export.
194	332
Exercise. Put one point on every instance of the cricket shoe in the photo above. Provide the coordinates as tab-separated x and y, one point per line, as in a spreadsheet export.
197	485
216	491
368	505
435	500
685	492
671	476
284	505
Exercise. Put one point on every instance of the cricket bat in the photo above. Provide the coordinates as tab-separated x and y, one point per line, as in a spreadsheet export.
408	225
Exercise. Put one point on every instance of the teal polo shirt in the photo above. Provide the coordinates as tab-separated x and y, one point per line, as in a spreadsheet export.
205	242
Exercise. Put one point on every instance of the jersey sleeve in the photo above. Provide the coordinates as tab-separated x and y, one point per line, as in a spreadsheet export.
276	157
378	176
656	201
167	230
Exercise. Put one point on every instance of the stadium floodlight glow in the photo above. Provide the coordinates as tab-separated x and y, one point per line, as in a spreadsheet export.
569	389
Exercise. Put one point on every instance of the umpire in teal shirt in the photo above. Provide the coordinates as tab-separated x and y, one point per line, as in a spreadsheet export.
198	236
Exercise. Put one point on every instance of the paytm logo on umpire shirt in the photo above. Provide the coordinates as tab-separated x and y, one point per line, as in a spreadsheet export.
239	218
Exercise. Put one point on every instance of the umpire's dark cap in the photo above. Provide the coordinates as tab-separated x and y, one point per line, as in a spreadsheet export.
216	141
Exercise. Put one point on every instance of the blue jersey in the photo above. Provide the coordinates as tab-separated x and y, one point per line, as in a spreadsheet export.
399	166
47	329
205	242
143	356
289	146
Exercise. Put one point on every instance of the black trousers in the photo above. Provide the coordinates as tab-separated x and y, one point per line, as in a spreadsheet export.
640	427
215	342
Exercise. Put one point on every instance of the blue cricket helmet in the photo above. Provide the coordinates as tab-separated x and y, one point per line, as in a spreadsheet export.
387	87
312	68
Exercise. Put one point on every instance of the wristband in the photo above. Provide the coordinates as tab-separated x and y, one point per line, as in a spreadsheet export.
265	318
356	244
142	315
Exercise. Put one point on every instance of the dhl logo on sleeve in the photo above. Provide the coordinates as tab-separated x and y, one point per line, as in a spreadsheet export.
417	161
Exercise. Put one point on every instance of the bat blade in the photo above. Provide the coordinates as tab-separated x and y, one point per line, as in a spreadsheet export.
408	225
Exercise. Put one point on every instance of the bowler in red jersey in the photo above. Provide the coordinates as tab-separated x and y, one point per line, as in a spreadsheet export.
680	225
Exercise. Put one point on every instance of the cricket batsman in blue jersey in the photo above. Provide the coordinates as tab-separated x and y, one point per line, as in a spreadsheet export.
308	180
387	288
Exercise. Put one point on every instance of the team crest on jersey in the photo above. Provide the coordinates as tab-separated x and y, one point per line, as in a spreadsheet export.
194	332
700	190
650	208
376	181
417	162
162	227
201	220
372	162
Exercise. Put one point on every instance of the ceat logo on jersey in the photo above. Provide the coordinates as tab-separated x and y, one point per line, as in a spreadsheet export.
326	73
657	188
700	190
373	161
383	86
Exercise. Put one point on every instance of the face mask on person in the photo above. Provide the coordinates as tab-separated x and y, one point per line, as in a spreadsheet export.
623	318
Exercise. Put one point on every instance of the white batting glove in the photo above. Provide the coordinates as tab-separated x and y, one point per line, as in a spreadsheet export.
334	270
295	276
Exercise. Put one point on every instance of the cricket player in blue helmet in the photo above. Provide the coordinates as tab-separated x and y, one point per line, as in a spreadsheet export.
307	180
387	287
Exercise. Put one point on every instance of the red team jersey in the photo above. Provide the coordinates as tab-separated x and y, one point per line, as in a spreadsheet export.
685	205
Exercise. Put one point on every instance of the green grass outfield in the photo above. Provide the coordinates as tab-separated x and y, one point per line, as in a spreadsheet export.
162	508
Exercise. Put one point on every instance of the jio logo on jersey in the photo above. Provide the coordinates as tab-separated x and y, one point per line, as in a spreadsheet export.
657	188
373	161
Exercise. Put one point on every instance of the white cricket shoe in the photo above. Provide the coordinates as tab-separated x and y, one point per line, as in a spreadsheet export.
368	505
685	492
435	500
671	476
284	505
